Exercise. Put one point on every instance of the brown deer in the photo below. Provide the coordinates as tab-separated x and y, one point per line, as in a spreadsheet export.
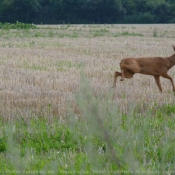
156	66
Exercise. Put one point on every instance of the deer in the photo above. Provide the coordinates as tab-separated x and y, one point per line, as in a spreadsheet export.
155	66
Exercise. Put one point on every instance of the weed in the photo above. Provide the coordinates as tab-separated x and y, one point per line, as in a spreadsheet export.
98	32
51	34
17	25
126	33
155	32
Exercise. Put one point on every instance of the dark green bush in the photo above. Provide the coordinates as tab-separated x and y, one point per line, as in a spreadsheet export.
17	25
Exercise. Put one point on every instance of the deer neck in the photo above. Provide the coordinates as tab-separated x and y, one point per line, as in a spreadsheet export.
171	60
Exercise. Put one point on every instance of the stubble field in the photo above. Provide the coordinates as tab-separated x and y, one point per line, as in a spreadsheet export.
59	113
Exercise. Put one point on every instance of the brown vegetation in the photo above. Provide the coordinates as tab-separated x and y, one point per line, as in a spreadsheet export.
40	68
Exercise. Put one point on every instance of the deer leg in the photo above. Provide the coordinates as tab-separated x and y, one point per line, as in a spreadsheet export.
157	79
122	72
122	75
115	77
168	77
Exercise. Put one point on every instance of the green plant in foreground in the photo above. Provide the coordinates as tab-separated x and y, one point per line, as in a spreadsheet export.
98	139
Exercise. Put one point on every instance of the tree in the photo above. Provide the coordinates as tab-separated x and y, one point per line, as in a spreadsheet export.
162	13
130	7
25	10
19	10
5	5
87	11
102	11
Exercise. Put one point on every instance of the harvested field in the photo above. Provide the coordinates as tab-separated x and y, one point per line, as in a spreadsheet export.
42	67
59	113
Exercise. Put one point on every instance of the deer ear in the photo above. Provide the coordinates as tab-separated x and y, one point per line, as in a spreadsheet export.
173	47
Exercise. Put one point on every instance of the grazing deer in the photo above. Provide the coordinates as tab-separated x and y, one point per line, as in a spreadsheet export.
156	66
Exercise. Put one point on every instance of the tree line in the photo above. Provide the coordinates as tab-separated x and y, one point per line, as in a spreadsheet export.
87	11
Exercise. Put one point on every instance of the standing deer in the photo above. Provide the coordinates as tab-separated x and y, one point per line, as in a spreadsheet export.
156	66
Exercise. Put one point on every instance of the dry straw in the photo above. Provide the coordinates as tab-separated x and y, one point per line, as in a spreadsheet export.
39	74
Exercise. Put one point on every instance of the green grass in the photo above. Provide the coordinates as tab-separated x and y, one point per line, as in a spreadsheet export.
59	65
17	25
155	32
103	138
98	32
126	33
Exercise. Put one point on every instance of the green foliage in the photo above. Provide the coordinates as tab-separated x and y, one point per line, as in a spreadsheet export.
3	144
17	25
155	32
42	137
100	139
89	11
126	33
98	32
139	142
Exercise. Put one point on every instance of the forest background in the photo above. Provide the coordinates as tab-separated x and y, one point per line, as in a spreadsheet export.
87	11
